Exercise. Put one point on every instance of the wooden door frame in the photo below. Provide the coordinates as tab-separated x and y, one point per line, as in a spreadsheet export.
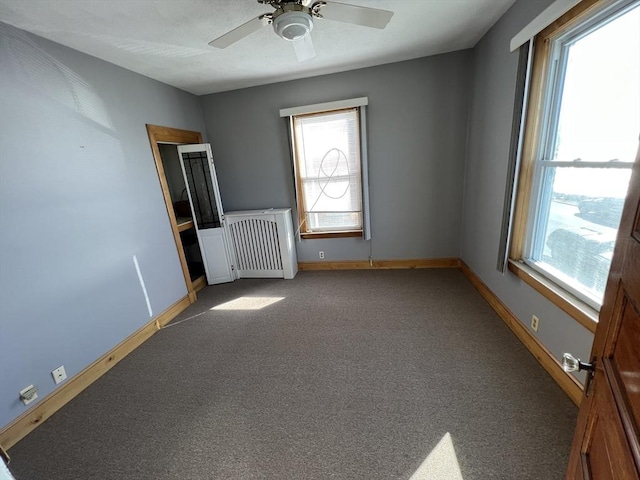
158	134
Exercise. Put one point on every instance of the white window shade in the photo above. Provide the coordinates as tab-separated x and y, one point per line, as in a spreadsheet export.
329	168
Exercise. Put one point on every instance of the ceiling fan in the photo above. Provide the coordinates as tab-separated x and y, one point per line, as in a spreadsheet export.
293	20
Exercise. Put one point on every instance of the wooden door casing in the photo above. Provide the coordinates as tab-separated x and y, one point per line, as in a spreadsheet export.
606	443
158	134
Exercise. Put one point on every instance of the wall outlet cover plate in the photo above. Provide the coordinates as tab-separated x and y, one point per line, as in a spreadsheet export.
535	322
59	374
27	401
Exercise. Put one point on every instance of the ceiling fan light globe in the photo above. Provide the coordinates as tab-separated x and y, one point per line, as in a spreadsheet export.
292	25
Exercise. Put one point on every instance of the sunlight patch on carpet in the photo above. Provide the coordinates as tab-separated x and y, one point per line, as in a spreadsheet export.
248	303
441	463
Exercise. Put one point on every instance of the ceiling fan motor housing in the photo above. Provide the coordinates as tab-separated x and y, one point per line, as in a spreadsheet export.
292	23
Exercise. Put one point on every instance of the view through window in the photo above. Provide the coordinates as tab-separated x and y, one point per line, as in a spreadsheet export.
588	143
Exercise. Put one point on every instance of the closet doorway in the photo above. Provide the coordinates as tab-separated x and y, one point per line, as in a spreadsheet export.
163	142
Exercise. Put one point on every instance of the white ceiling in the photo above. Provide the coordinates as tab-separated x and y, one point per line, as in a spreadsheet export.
168	39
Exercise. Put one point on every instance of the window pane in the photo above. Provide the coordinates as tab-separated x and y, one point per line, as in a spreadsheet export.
327	152
340	194
600	107
331	222
577	224
196	166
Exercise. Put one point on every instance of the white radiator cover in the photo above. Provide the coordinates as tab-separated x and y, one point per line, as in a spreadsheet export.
262	242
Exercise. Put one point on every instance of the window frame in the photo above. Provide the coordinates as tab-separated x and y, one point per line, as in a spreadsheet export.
535	133
300	203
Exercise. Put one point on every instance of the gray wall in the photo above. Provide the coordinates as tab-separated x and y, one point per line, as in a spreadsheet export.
417	119
485	177
79	197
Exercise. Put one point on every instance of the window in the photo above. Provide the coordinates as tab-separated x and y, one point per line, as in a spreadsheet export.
581	139
328	166
327	156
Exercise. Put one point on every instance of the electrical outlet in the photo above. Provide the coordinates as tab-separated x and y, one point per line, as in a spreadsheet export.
29	394
321	254
534	323
59	374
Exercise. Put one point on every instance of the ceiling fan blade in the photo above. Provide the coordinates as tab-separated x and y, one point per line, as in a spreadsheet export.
240	32
304	48
368	17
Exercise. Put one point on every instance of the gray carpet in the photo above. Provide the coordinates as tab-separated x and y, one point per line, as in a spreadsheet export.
353	375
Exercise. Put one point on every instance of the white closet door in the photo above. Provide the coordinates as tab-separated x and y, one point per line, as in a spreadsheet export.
208	216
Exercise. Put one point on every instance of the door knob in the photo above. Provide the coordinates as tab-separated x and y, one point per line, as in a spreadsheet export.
573	364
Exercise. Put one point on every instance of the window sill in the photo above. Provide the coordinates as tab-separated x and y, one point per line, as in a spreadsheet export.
312	235
576	308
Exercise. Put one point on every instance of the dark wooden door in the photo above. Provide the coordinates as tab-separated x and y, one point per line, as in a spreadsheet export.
606	443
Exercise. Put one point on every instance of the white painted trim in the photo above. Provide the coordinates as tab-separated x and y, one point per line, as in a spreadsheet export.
542	21
324	107
193	147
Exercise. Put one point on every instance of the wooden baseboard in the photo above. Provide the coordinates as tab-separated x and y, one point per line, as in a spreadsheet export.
27	422
199	283
567	382
381	264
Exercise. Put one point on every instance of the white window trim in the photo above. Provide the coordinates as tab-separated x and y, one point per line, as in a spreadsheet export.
324	107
